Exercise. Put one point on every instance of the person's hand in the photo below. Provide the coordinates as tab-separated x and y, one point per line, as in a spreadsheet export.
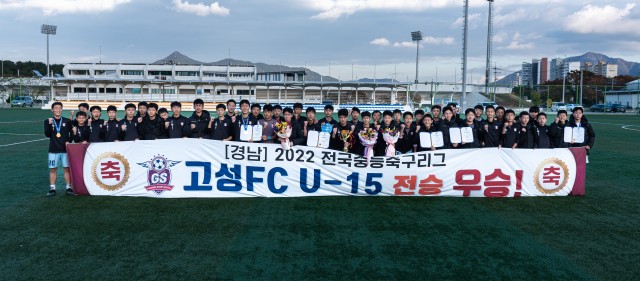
233	118
118	119
105	122
139	119
433	148
72	114
89	122
486	128
587	147
75	130
264	138
50	121
166	125
84	142
402	126
306	123
124	127
418	128
378	127
524	130
556	120
335	130
455	145
353	127
504	130
193	126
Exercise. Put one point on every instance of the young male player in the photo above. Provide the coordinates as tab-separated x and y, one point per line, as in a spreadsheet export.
268	124
297	114
179	126
111	127
220	127
343	126
490	129
81	130
297	135
328	116
153	126
199	121
95	125
59	131
543	140
130	128
244	121
355	117
510	135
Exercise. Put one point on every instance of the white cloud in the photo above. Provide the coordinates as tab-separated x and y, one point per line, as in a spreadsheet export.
607	19
334	9
380	42
439	40
517	44
51	7
200	9
474	21
502	20
405	44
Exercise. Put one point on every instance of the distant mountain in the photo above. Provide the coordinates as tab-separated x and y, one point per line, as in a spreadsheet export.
624	67
178	58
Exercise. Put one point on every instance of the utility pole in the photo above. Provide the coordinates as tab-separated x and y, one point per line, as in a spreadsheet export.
464	55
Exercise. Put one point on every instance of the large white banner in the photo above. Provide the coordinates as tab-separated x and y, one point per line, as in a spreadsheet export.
178	168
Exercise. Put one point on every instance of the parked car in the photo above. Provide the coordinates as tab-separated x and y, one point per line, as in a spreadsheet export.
619	108
600	108
22	101
558	106
484	104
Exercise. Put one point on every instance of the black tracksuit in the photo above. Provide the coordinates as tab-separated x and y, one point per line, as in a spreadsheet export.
556	132
589	134
111	131
477	132
82	133
405	144
543	140
133	131
58	144
239	125
221	129
199	125
491	135
153	129
179	127
526	136
95	129
511	136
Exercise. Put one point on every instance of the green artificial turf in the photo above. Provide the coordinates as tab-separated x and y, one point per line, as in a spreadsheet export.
595	237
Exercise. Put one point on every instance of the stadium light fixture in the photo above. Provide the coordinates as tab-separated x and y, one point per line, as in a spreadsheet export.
416	36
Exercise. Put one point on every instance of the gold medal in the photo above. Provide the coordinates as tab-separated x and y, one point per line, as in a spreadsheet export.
58	135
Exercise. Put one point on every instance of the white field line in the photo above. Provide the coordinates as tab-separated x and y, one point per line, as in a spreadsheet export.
13	122
627	127
13	134
17	143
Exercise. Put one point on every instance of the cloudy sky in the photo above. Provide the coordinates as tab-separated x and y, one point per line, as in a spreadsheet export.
370	37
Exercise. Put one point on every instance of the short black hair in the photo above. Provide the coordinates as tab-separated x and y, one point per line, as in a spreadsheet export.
452	104
221	105
84	104
509	111
501	107
198	101
387	112
355	108
328	106
446	108
297	105
244	101
130	105
81	113
91	109
436	107
376	111
562	111
472	110
577	108
365	114
287	109
534	109
231	100
397	111
426	116
490	106
524	113
267	107
277	106
163	110
541	114
56	103
154	105
143	103
176	103
112	108
256	105
407	113
478	106
419	112
311	109
343	112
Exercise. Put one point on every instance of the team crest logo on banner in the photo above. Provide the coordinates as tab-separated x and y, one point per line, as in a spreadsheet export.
159	174
110	171
551	176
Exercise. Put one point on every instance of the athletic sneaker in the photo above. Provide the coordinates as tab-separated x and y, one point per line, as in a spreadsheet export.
69	191
51	192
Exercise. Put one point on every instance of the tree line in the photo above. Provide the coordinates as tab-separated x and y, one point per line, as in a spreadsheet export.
26	68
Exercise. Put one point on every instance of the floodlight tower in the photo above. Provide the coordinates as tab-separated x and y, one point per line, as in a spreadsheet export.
463	101
489	51
416	36
48	30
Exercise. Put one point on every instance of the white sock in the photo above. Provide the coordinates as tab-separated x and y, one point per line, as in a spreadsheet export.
68	186
53	187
